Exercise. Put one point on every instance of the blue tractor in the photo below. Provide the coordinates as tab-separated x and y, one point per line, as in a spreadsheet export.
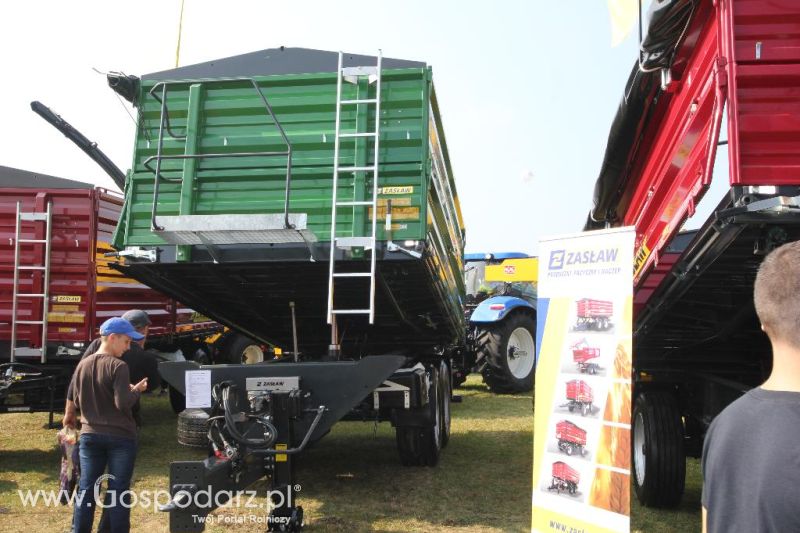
501	311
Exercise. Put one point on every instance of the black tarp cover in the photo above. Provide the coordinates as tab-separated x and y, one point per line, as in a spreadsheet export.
667	23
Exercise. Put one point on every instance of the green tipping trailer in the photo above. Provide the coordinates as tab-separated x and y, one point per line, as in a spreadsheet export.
247	278
238	176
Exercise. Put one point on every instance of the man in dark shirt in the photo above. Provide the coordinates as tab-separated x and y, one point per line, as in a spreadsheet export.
751	463
141	364
102	392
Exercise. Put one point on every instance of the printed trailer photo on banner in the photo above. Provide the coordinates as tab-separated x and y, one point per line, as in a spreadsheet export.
582	425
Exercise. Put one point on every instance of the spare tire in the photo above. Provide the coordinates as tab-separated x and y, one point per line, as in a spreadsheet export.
193	428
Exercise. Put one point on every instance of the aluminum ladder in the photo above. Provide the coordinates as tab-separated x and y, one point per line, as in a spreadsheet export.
353	75
47	218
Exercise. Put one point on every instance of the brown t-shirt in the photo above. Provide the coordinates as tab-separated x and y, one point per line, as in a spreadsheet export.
101	391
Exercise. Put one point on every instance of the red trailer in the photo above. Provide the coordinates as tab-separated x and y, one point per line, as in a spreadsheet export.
582	353
571	438
56	286
697	341
564	478
594	314
579	396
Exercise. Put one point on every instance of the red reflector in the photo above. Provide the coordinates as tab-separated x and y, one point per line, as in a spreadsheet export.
497	307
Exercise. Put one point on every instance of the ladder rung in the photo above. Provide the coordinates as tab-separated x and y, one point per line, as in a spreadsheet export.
37	241
359	71
30	267
352	275
360	134
31	217
30	322
354	203
31	295
350	311
349	242
28	352
356	169
360	101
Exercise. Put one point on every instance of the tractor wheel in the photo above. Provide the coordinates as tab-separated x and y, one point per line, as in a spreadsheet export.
659	459
444	394
238	349
421	445
509	351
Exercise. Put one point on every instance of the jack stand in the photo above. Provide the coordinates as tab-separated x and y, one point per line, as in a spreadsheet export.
284	516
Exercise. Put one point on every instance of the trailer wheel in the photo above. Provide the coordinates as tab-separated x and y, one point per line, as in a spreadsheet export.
659	459
571	408
509	351
569	449
421	445
239	349
444	385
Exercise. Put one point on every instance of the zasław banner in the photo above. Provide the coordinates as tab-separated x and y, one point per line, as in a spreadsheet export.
582	426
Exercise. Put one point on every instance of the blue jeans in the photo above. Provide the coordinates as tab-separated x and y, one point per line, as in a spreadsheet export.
96	452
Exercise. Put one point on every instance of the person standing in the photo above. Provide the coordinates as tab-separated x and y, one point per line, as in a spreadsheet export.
750	463
102	392
141	363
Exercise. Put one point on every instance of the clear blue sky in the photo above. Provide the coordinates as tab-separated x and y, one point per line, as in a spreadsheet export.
528	89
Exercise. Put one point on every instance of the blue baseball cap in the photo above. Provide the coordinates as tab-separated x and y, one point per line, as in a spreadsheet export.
120	326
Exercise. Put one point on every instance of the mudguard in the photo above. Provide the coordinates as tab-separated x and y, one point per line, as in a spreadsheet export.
485	314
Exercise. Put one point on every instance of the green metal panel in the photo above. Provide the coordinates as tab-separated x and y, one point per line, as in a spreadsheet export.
233	119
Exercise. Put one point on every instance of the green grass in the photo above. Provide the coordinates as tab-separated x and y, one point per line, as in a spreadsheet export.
350	481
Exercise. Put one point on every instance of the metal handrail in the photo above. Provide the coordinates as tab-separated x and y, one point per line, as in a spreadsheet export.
164	124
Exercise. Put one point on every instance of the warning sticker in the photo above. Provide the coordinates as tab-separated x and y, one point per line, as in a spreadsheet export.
405	189
281	457
67	330
64	308
640	259
396	202
70	318
398	213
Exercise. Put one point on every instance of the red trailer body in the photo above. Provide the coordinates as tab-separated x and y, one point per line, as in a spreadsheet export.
579	391
696	339
564	472
588	308
83	290
569	432
582	352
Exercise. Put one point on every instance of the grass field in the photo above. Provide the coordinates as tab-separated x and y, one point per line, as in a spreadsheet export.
351	481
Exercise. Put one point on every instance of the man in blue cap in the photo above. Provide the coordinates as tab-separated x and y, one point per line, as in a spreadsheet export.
101	390
141	364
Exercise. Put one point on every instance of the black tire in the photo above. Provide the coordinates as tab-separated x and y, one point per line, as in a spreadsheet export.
422	445
445	392
569	449
586	409
495	352
176	400
193	428
659	472
238	349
